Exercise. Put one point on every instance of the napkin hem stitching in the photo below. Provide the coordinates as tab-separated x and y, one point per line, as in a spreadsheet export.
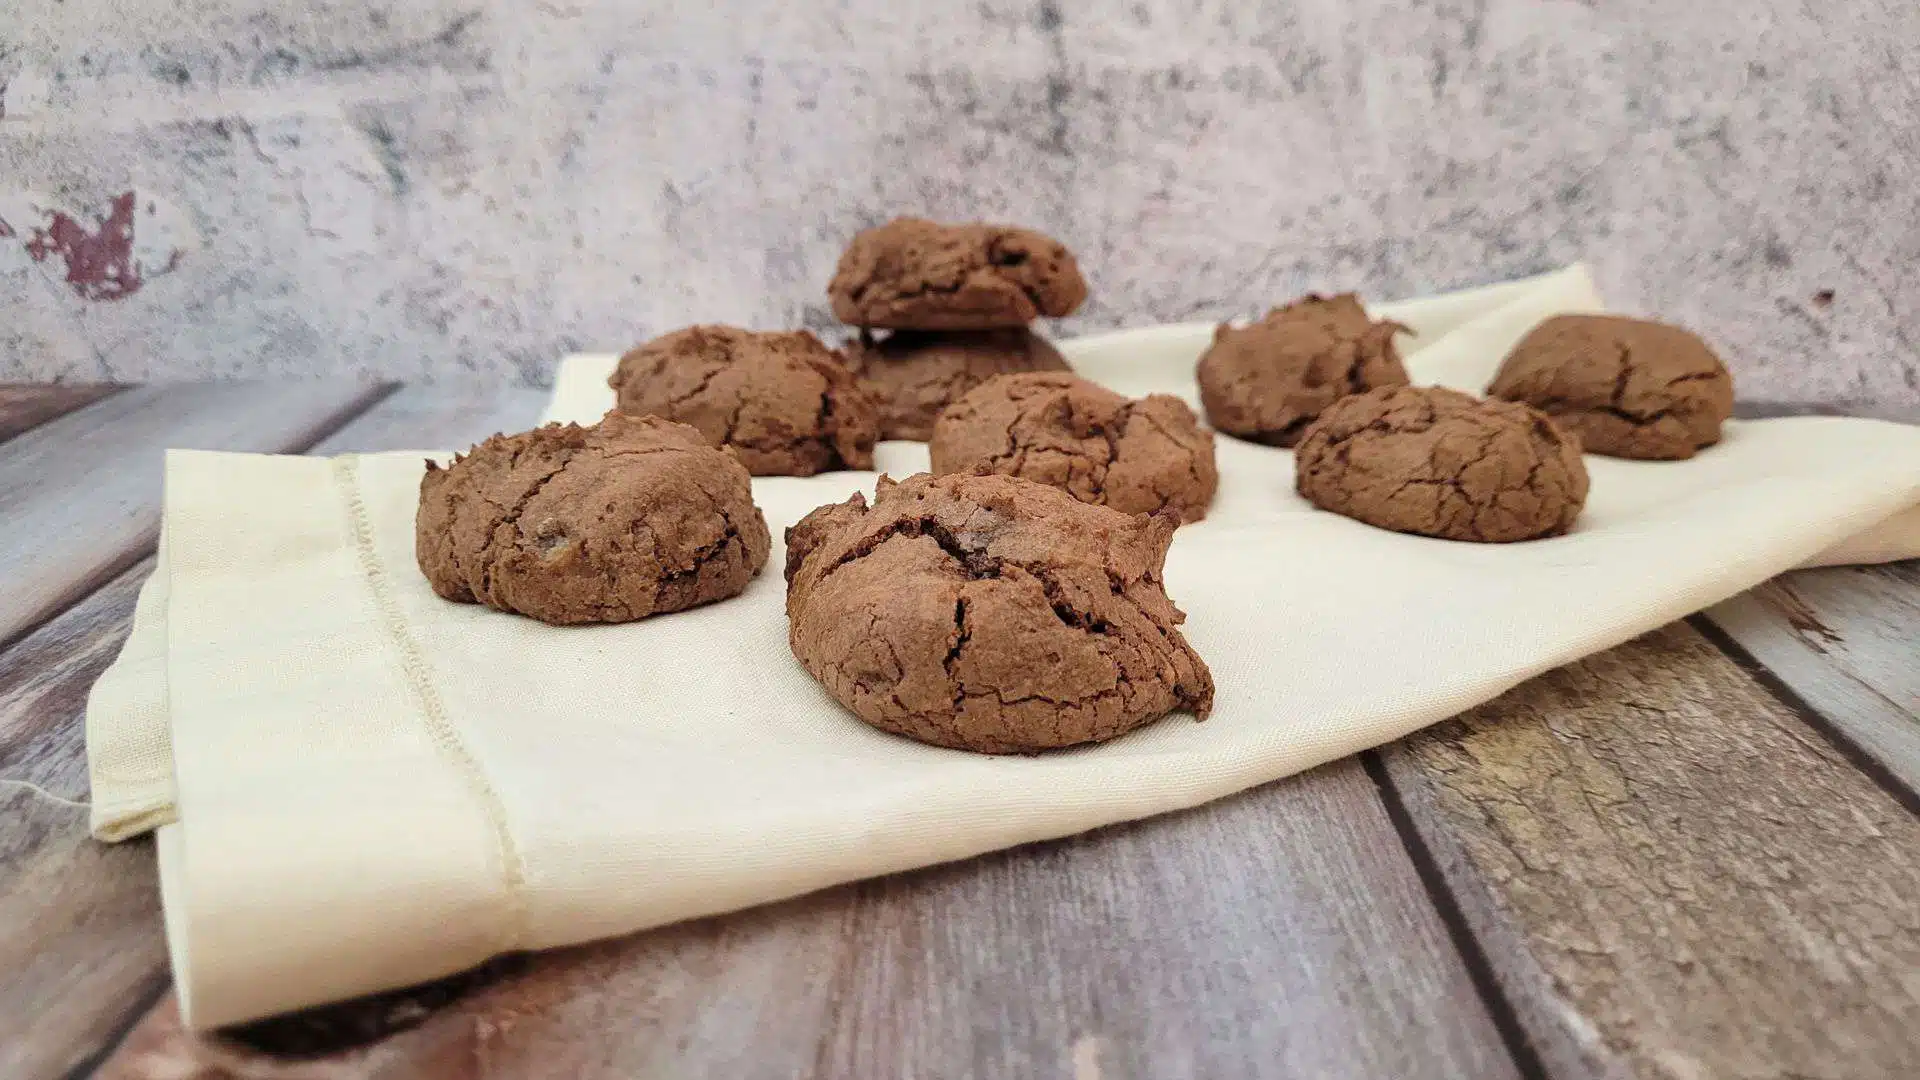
431	708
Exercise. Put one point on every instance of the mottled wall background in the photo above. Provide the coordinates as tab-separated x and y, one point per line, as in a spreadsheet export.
447	187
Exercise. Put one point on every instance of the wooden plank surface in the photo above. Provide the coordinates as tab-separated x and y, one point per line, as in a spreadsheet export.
1672	874
1280	933
23	407
1668	872
81	951
80	941
83	492
1845	640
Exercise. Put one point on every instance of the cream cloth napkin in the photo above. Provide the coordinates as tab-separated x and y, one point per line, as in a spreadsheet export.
368	786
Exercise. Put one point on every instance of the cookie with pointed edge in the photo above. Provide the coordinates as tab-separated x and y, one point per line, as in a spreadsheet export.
990	613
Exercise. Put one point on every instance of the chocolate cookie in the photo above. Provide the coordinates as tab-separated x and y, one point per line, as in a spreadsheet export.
632	517
1137	456
1627	387
914	274
1440	463
990	613
914	374
782	400
1268	380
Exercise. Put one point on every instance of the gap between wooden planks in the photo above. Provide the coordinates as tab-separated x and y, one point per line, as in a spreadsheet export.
83	492
1672	874
24	407
1321	949
694	992
80	944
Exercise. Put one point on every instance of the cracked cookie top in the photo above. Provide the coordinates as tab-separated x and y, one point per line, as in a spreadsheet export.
1627	387
1137	456
1268	380
990	613
914	274
632	517
781	400
1441	463
914	374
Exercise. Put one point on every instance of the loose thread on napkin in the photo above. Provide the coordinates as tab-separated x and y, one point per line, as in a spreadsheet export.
45	794
432	710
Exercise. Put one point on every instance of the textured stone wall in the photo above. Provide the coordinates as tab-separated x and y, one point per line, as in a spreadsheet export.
224	187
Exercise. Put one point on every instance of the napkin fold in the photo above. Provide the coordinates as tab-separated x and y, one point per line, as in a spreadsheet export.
359	785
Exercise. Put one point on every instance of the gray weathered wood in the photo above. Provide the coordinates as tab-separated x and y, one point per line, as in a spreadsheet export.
25	407
1869	410
83	492
1279	933
1282	933
80	941
81	950
1672	875
1846	640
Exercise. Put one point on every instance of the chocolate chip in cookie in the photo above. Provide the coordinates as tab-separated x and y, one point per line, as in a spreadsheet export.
632	517
990	613
1441	463
1138	456
1268	380
782	400
914	274
914	374
1627	387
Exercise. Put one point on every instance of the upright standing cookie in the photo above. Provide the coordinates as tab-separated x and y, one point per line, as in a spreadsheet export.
990	613
914	374
1137	456
914	274
631	517
781	400
1627	387
1440	463
1267	381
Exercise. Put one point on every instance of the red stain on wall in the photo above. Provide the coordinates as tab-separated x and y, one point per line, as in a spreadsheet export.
100	263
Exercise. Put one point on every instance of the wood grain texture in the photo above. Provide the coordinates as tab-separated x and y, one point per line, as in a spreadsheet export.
1279	933
1672	875
1898	412
1846	640
80	941
23	407
83	492
81	949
